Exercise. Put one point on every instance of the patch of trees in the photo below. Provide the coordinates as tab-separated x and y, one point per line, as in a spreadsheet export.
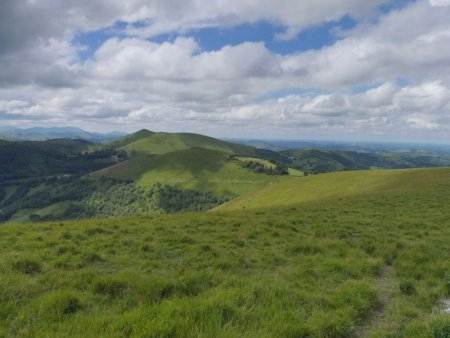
51	191
128	199
171	199
259	168
104	197
120	199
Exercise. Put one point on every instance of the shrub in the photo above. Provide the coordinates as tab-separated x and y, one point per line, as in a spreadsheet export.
441	329
407	288
28	266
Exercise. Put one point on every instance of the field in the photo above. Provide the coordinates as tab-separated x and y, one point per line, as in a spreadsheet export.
367	260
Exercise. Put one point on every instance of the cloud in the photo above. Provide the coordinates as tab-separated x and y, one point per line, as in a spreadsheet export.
165	16
440	3
132	81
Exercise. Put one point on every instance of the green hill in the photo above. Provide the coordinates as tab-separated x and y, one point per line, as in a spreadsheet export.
194	168
338	185
320	161
151	143
127	139
370	259
161	143
28	159
148	142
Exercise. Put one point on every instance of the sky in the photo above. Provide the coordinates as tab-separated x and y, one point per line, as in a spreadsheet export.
375	70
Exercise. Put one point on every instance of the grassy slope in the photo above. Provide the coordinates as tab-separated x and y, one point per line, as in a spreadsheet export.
194	168
334	185
309	270
123	141
162	143
56	210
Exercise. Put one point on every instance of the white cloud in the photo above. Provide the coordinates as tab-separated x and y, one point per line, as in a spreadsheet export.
440	3
133	82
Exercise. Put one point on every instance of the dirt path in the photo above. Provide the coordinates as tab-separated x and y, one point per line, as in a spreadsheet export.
385	286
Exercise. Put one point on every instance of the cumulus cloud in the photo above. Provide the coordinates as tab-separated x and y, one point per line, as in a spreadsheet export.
132	81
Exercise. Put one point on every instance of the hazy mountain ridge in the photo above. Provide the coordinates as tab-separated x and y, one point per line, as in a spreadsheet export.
42	134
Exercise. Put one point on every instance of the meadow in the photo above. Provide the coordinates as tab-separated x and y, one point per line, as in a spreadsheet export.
372	261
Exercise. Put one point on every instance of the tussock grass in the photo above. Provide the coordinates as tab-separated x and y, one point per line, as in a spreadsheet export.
303	270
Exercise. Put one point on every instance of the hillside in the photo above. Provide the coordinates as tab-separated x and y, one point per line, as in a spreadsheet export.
338	185
127	139
320	161
369	260
53	157
194	168
151	143
59	179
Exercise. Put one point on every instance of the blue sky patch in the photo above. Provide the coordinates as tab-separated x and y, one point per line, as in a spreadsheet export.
290	92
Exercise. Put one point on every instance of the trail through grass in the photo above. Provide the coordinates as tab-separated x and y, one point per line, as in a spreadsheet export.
385	285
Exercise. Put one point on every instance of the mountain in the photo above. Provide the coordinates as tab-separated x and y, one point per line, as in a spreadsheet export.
144	172
148	142
42	134
194	168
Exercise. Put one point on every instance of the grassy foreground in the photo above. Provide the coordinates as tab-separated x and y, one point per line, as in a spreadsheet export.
374	263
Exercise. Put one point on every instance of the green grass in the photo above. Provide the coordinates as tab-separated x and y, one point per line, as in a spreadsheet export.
194	168
123	141
162	143
55	210
338	185
308	269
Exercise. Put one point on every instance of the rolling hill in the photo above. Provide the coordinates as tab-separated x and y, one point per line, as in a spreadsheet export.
166	172
323	187
193	168
320	161
57	179
148	142
152	143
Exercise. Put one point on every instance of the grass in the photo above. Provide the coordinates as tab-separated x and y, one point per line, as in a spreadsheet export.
339	185
307	269
194	168
162	143
23	215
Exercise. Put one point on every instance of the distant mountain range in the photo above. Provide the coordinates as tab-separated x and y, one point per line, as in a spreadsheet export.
42	134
